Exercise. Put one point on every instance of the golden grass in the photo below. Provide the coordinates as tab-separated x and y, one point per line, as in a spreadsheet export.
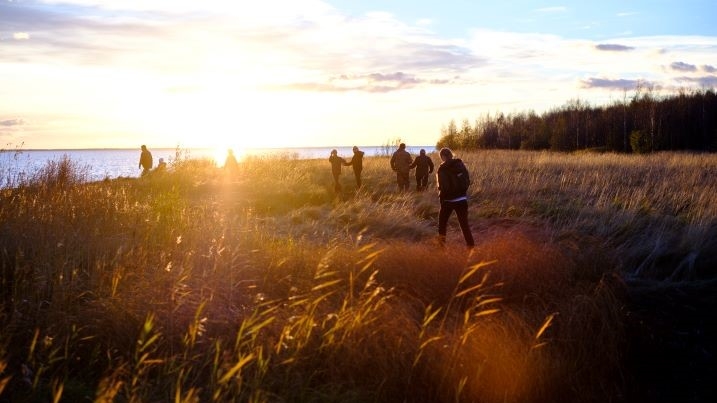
265	286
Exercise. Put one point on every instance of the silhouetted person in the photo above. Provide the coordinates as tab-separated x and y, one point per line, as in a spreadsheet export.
161	166
424	167
230	163
145	160
357	164
453	181
336	164
401	164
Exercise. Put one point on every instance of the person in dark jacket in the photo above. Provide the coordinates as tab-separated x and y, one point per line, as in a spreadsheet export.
400	163
357	164
424	167
336	164
145	160
453	197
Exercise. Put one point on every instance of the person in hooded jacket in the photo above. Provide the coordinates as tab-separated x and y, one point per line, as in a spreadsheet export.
424	167
451	196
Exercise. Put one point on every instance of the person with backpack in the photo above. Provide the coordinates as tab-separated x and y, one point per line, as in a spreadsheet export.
453	181
424	167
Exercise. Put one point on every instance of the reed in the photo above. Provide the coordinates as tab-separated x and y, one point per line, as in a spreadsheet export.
194	285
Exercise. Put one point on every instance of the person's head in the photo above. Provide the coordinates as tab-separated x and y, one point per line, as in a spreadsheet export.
333	152
144	147
446	154
422	152
355	149
161	160
230	152
402	146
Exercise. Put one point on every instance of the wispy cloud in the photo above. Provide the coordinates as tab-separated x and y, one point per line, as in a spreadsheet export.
372	83
613	84
703	82
12	122
682	66
611	47
709	69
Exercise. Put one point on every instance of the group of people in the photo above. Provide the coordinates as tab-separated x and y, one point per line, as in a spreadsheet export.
452	179
146	162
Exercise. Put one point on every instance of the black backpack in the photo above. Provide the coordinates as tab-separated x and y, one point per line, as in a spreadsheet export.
457	181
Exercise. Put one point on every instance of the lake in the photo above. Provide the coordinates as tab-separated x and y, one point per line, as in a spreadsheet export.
113	163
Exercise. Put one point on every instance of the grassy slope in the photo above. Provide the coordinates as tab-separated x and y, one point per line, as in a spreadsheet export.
266	286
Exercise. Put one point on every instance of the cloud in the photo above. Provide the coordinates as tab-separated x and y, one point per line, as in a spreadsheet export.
709	69
11	122
703	82
372	83
681	66
617	84
613	47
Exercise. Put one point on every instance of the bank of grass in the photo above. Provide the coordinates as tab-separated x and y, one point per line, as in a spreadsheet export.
193	285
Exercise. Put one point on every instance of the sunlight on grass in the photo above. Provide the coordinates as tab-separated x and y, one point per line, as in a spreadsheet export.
198	284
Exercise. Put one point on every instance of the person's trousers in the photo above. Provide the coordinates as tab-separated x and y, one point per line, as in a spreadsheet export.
421	182
357	175
461	209
403	180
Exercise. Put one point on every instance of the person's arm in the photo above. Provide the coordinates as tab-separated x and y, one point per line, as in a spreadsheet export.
430	165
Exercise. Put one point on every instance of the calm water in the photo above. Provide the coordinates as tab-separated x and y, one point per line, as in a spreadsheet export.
114	163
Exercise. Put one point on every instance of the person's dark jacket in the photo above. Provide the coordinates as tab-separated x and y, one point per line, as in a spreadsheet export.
145	160
423	165
450	167
357	161
401	161
336	163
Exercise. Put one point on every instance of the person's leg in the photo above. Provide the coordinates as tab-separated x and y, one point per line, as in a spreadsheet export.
462	213
337	184
418	183
357	175
443	214
424	182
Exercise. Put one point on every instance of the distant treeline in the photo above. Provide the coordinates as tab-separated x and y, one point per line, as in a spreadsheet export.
641	123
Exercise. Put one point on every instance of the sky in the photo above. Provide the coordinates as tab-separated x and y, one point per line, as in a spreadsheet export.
298	73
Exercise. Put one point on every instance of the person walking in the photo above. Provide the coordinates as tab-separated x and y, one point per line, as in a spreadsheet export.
230	163
145	160
400	163
424	167
336	164
357	164
453	181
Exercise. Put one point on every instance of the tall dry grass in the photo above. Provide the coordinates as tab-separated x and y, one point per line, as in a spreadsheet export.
192	285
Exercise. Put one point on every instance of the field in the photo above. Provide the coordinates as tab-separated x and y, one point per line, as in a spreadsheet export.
594	279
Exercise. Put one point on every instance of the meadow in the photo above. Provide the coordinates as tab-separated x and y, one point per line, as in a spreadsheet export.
593	280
